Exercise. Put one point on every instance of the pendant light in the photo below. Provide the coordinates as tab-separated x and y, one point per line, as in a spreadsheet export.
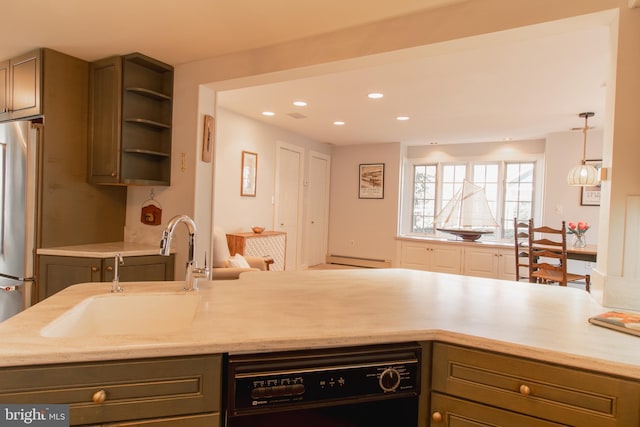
584	175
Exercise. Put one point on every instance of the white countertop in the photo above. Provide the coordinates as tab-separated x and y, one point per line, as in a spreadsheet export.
103	250
268	311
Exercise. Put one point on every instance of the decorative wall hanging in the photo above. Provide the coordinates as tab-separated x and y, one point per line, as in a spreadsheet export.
248	174
207	138
151	211
371	181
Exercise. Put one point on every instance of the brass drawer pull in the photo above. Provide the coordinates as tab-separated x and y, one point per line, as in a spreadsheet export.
436	417
99	396
525	390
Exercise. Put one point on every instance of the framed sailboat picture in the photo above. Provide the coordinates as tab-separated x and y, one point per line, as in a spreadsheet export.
371	181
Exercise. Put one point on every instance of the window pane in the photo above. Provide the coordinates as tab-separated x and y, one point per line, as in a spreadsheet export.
485	175
424	183
518	194
452	178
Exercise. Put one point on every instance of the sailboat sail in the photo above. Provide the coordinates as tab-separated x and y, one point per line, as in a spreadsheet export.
468	214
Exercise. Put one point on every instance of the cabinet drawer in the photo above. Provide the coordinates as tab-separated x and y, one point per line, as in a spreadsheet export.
451	412
133	389
554	392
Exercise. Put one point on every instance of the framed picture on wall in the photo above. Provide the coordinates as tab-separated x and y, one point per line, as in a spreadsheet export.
371	181
590	196
249	174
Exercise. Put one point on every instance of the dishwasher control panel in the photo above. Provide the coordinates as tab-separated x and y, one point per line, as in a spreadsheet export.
297	378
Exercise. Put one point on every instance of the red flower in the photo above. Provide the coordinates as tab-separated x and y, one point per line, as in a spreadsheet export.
578	229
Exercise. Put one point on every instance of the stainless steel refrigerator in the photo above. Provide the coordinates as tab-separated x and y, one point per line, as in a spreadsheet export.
45	198
18	189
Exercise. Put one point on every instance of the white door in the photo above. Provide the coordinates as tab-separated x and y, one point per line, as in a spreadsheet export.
288	208
318	215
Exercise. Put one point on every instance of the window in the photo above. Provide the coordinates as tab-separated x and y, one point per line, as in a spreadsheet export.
452	178
509	188
424	198
518	194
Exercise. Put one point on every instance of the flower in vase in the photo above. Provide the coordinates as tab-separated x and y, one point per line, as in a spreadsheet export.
578	229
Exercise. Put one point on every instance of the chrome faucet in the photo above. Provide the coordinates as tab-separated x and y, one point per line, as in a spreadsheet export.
117	262
192	271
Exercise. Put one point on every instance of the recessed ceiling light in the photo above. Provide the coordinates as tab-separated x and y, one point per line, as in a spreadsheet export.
338	123
268	113
402	118
375	95
299	103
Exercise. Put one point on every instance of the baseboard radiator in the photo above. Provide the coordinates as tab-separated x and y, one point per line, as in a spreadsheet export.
358	262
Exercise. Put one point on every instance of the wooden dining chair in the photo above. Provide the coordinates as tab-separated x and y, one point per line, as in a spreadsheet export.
521	244
548	257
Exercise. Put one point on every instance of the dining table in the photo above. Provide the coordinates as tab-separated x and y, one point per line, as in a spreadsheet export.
588	253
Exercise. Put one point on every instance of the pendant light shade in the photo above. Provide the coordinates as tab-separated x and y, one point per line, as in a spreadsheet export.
584	175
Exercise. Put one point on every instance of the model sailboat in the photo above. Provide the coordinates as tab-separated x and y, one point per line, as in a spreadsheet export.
467	215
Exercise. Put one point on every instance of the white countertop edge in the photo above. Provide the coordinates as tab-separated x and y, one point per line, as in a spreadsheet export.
170	349
102	250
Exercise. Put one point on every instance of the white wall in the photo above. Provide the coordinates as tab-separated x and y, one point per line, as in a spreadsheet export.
363	227
562	202
235	133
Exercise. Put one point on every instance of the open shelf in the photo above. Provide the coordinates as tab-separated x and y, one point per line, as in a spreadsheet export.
147	122
146	152
139	152
149	93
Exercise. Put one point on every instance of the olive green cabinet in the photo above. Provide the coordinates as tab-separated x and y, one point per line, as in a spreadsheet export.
59	272
20	86
160	392
471	387
130	116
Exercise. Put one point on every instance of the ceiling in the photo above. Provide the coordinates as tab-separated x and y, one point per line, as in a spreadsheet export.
517	85
506	85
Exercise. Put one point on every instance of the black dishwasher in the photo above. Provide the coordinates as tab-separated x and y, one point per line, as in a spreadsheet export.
343	387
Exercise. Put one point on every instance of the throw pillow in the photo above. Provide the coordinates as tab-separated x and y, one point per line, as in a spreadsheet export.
238	261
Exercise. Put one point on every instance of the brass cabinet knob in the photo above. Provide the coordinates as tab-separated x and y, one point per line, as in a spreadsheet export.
525	390
436	417
109	268
94	269
99	396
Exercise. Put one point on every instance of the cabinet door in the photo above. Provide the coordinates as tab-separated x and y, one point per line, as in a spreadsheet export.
199	420
104	120
481	262
414	255
506	264
141	269
58	272
24	85
447	411
124	390
4	90
445	258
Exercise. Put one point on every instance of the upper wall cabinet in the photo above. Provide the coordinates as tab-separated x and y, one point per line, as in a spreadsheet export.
20	83
130	107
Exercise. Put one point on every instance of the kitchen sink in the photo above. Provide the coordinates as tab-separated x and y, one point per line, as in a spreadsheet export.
125	314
